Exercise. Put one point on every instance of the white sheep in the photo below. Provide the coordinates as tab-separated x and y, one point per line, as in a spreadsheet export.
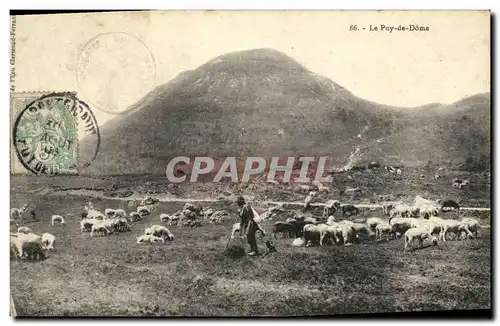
331	220
48	241
348	233
86	224
60	219
389	205
28	244
333	232
456	227
93	213
144	210
311	233
164	218
99	228
109	212
400	210
472	224
17	213
382	229
160	231
149	238
372	222
419	234
428	210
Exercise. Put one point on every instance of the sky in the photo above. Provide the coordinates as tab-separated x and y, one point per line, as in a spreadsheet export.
445	64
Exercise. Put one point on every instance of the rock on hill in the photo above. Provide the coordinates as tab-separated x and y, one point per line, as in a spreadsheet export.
263	103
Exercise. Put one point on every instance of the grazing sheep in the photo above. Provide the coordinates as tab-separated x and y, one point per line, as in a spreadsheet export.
122	225
389	205
414	211
28	245
160	231
17	213
330	232
359	228
60	219
24	229
149	238
372	222
330	207
99	228
348	234
87	223
400	210
143	210
351	209
134	217
311	233
400	224
428	210
456	227
382	229
164	218
48	241
283	228
472	224
419	234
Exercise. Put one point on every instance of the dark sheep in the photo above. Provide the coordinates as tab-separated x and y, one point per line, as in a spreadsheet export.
284	228
448	203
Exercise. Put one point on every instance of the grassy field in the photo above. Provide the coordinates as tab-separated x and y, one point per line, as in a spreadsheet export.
192	276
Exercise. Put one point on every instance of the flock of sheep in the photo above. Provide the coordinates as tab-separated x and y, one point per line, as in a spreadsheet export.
26	244
418	221
414	222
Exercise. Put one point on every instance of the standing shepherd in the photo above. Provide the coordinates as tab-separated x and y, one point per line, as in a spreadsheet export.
249	227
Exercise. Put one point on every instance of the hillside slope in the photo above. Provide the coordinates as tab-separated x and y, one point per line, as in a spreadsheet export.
263	103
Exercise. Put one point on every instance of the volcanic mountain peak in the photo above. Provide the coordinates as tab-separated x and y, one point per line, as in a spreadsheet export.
263	103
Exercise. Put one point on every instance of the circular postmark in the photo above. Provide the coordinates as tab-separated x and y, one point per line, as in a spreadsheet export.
56	134
114	71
